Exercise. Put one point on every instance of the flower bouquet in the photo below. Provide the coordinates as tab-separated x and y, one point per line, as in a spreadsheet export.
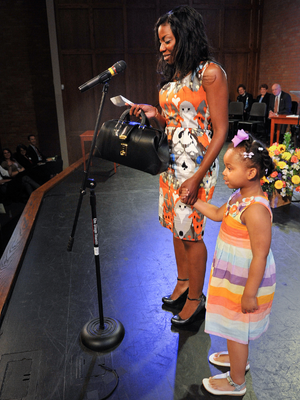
286	177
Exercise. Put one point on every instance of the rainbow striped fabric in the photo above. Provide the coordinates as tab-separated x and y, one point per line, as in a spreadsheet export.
229	275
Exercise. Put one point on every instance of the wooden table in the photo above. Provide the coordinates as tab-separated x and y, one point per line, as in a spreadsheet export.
87	136
279	120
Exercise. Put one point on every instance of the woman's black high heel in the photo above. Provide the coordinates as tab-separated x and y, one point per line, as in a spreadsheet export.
180	300
178	321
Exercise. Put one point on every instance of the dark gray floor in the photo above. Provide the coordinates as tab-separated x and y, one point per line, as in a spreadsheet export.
56	295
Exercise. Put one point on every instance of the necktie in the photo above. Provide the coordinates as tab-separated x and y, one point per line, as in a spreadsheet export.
276	105
38	153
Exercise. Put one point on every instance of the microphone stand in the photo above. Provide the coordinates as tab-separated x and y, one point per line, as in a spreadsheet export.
100	333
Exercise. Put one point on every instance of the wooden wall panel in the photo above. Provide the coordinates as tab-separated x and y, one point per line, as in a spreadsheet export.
75	28
167	5
109	28
77	70
71	2
213	25
142	79
236	69
238	3
94	34
140	24
237	29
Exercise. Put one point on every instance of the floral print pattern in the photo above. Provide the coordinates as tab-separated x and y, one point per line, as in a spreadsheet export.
188	127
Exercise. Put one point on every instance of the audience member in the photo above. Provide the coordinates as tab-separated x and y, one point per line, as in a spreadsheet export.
38	158
4	181
10	164
22	157
245	98
20	186
264	96
280	104
39	173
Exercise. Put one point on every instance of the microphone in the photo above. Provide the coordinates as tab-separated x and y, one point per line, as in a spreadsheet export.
105	76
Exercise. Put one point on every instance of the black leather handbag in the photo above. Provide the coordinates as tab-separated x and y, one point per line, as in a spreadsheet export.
133	144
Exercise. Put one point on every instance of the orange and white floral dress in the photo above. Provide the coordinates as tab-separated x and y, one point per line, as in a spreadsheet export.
189	131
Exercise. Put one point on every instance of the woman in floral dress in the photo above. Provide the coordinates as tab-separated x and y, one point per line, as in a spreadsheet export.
194	111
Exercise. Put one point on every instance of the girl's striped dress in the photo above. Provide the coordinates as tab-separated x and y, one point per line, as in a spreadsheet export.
229	275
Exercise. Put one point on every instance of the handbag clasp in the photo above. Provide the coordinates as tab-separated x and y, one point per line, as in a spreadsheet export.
123	151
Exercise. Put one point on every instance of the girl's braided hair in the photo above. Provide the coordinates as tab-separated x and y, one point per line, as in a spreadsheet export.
260	158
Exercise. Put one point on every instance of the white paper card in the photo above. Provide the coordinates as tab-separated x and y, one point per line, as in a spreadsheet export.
120	101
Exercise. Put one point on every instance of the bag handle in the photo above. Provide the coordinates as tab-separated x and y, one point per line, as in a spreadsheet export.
125	114
144	123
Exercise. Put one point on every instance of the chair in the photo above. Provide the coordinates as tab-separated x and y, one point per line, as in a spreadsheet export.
294	109
257	117
236	114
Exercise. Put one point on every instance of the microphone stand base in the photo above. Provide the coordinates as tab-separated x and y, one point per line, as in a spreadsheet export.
97	339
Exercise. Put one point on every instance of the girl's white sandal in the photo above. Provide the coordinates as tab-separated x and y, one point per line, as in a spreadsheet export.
239	390
213	358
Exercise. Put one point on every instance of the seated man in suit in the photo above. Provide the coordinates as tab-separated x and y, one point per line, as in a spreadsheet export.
245	98
280	104
54	164
34	153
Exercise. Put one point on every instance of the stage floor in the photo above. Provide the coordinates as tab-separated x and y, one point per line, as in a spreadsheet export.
56	295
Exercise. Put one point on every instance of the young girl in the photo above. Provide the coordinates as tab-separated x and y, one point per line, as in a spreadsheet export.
242	281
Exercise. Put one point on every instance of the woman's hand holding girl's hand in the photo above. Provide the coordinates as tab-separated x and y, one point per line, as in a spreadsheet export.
184	193
249	304
149	110
192	186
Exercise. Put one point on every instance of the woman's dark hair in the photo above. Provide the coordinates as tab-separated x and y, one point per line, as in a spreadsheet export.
264	85
243	86
11	155
260	158
19	147
7	149
191	45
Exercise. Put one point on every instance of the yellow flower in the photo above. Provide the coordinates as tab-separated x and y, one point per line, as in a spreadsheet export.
281	164
272	148
286	156
264	179
281	148
278	185
297	153
296	179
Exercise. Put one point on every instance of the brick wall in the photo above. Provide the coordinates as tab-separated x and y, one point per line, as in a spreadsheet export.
280	46
27	99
